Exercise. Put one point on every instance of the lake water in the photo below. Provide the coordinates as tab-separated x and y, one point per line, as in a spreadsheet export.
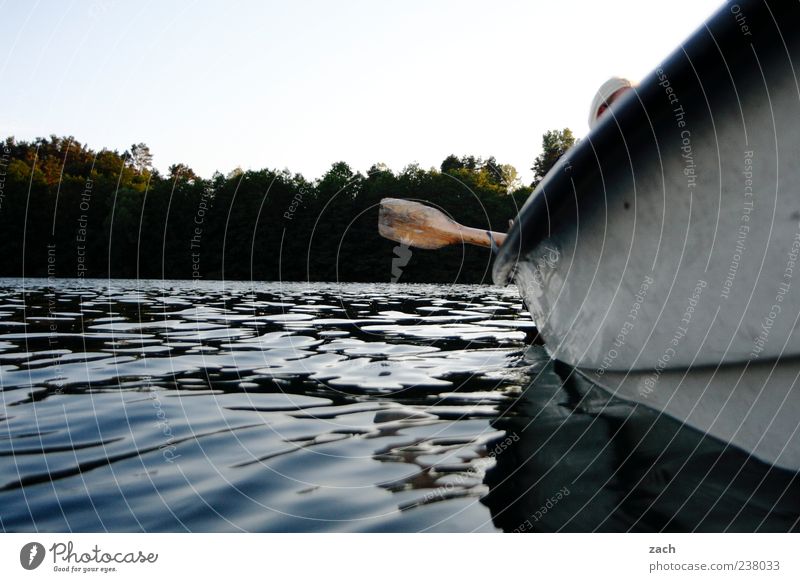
226	406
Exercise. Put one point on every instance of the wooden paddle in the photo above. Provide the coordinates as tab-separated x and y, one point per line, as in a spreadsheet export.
416	225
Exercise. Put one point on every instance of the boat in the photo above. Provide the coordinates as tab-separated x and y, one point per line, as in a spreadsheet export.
660	257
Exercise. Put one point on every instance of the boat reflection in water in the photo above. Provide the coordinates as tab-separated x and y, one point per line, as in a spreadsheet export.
575	459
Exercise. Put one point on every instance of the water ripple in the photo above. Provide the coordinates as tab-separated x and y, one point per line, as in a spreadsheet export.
167	406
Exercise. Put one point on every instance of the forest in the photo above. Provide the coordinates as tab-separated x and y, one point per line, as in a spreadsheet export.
67	210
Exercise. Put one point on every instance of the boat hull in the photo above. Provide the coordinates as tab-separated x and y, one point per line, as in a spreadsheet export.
670	236
661	255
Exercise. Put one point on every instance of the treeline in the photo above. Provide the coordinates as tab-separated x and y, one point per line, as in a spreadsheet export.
69	211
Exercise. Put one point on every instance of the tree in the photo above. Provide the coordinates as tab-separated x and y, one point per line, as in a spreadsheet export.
181	171
451	163
379	168
493	170
510	177
470	162
141	158
555	144
234	173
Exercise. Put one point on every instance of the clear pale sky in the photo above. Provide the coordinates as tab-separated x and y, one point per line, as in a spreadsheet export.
302	84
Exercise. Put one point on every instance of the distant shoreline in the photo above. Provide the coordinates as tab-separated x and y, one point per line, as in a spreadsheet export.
44	281
67	211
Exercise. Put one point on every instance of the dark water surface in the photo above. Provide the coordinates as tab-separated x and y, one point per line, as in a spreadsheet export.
224	406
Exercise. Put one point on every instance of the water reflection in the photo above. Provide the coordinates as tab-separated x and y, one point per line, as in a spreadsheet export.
582	461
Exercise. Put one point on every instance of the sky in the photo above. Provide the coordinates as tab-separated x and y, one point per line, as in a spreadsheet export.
303	84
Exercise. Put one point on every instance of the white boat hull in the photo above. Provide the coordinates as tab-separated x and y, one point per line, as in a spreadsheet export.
668	240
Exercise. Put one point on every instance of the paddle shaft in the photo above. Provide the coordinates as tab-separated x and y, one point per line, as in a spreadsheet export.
478	237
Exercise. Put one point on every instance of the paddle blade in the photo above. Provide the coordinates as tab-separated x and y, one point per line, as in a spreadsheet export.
416	225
